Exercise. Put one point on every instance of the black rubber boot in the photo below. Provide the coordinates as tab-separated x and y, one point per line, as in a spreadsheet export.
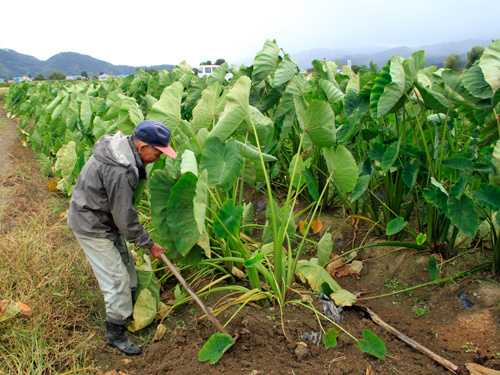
117	338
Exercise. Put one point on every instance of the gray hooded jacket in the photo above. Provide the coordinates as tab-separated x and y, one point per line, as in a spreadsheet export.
102	202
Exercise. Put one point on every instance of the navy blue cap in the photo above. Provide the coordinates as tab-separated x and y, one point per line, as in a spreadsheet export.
155	134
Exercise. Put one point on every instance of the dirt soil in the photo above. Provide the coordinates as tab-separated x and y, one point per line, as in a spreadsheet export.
271	341
8	137
431	316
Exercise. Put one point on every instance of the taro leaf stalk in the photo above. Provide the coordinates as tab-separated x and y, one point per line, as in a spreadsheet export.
317	121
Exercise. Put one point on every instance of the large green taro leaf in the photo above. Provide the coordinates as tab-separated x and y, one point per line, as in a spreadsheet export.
247	218
285	105
160	188
181	69
165	79
410	173
437	198
209	107
325	247
222	162
482	79
219	75
456	90
67	161
388	88
181	218
353	84
188	163
86	113
489	196
457	189
390	155
332	92
52	106
463	214
360	188
325	70
195	143
344	167
411	66
200	204
433	99
475	82
318	121
297	179
311	184
60	108
265	61
167	110
125	112
490	65
264	126
352	101
230	216
130	116
194	94
236	110
286	70
252	152
72	115
350	127
270	99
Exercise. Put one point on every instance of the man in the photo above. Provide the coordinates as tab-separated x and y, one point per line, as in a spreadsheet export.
102	216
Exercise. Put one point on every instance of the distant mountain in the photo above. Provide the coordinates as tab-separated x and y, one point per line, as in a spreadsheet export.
304	58
14	64
435	54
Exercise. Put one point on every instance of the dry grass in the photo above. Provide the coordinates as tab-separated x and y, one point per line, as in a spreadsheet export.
43	266
3	91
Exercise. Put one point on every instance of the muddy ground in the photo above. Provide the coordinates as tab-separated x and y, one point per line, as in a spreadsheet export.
431	316
271	341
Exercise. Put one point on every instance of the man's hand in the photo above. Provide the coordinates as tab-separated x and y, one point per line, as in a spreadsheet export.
156	250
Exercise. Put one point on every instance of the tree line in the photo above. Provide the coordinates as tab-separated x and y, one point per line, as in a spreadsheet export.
454	62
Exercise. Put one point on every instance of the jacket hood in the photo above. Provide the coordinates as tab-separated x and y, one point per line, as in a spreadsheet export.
115	150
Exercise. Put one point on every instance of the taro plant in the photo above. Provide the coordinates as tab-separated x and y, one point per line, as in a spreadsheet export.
212	201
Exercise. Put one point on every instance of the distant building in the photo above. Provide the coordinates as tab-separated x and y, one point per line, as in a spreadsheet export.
209	69
72	78
102	77
1	79
21	79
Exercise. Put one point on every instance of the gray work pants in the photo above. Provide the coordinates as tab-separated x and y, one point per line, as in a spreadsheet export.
114	267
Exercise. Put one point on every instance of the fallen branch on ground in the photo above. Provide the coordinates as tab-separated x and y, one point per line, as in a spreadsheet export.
443	362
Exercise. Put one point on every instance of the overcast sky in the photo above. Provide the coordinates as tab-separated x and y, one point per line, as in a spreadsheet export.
168	32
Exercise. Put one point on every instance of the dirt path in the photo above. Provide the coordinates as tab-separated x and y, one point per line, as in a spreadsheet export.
8	137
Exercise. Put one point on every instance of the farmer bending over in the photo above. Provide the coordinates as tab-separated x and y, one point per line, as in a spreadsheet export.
102	216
